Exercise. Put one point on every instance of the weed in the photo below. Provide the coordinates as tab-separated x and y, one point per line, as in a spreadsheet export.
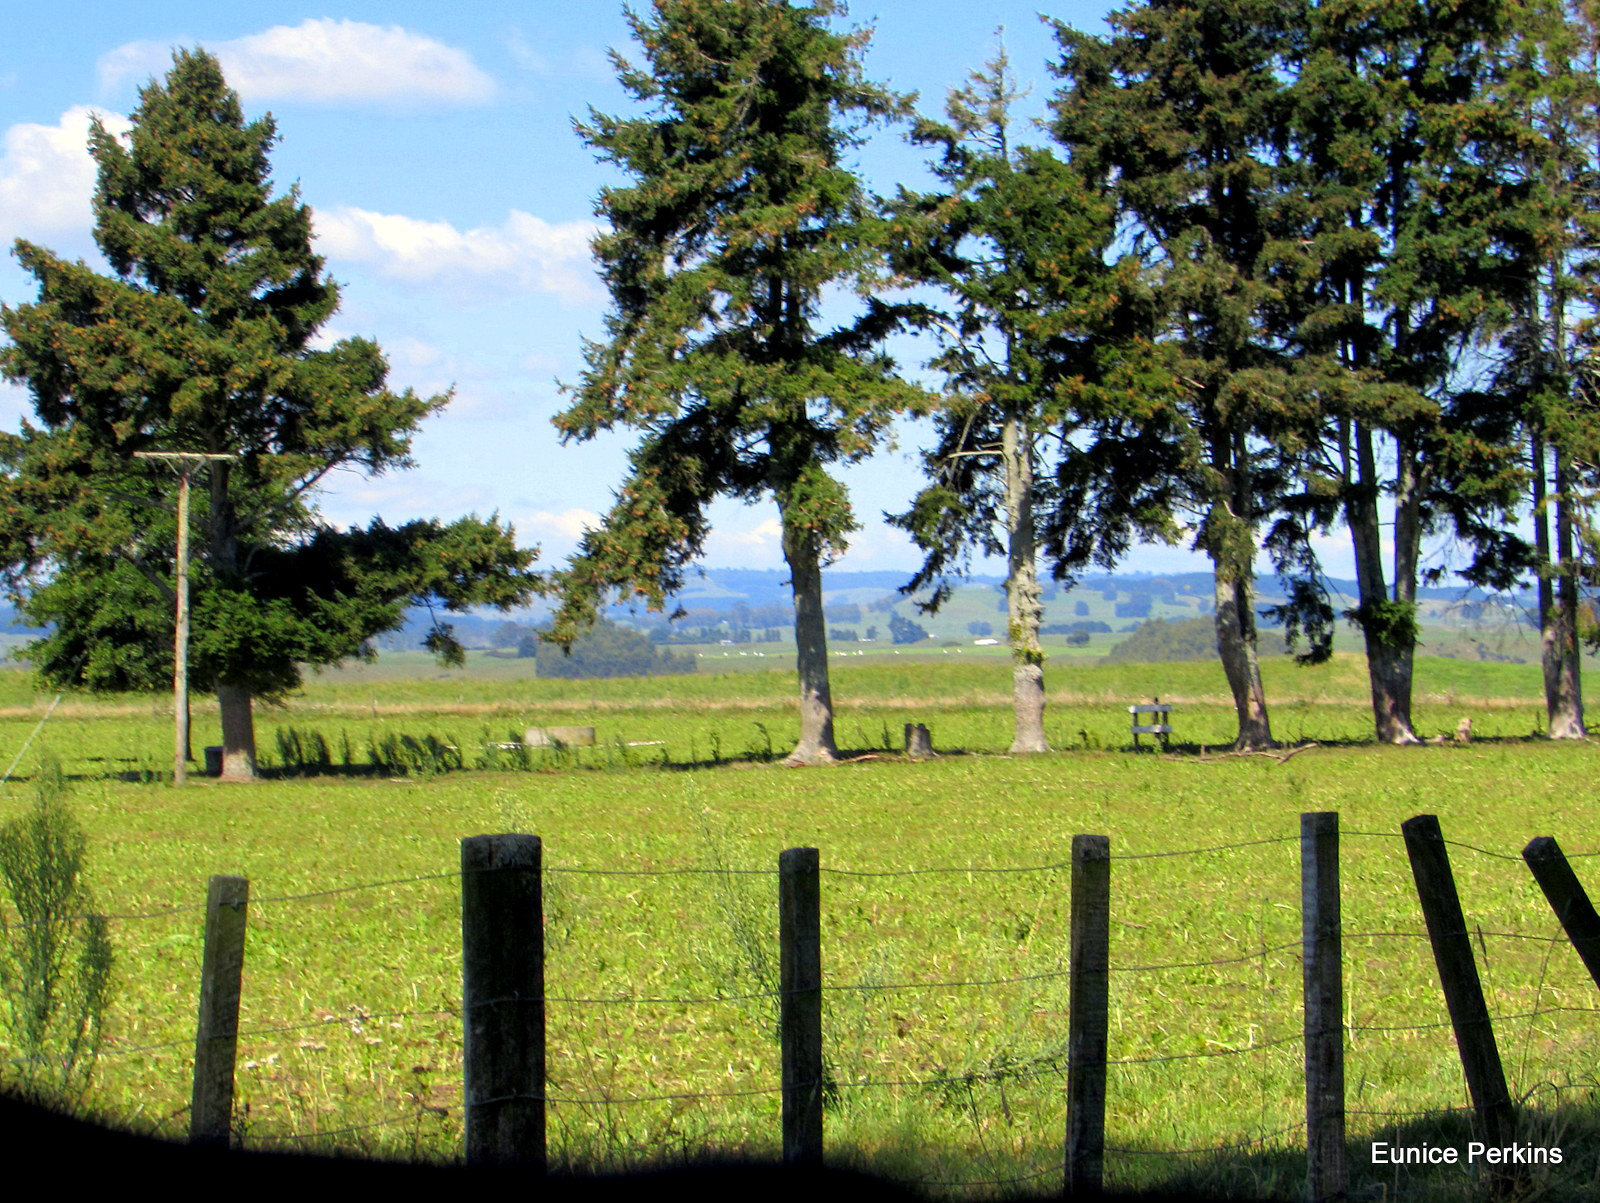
508	755
742	958
304	753
765	753
55	950
399	755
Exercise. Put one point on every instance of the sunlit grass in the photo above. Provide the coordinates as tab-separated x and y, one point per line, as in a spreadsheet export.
376	972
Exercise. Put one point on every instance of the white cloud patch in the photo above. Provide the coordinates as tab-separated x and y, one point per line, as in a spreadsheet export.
764	534
568	524
525	56
524	251
47	177
325	61
758	546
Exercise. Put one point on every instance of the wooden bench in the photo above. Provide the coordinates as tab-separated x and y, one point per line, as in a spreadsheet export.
1160	728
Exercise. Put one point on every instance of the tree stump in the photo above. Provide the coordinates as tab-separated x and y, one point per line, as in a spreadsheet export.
919	744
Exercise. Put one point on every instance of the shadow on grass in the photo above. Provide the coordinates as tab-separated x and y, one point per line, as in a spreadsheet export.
900	1170
691	757
1554	1158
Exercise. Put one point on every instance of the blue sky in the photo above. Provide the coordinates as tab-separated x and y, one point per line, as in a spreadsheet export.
454	204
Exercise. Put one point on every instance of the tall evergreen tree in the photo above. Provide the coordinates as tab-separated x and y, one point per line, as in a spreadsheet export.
738	214
1017	242
1547	80
1183	110
1407	265
202	341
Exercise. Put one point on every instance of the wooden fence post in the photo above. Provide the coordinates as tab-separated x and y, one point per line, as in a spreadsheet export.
216	1041
502	1009
1567	898
1458	975
800	1018
1087	1013
1327	1176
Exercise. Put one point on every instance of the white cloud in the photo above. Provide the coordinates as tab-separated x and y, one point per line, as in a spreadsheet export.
412	353
524	55
523	251
763	535
568	524
324	61
47	177
733	542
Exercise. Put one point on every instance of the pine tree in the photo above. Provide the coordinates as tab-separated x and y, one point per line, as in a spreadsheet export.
1182	108
1547	79
202	341
738	213
1408	261
1017	243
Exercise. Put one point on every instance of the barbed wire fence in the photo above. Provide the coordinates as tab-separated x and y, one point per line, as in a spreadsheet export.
1082	1063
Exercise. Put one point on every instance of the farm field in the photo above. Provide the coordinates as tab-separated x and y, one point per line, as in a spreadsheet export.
945	913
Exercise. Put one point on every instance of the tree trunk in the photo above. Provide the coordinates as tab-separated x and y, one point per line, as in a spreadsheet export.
1562	666
1024	605
233	698
1386	626
238	733
804	558
1228	539
1236	644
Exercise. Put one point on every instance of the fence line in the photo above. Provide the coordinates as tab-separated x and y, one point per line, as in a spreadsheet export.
1014	1181
837	872
1056	1063
1280	839
278	1137
1412	1114
1244	1143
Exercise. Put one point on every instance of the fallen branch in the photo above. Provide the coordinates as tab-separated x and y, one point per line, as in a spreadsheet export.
1305	747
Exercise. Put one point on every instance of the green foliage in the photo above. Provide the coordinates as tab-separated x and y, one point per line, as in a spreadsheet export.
202	340
1389	623
55	951
607	650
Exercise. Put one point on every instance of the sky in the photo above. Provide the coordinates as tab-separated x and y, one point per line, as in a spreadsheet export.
454	204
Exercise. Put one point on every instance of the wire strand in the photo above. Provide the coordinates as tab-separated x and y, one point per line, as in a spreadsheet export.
1243	1143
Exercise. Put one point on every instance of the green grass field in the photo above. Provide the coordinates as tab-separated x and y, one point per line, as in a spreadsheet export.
353	993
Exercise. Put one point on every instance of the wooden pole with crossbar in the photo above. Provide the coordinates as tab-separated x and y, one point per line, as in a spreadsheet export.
184	463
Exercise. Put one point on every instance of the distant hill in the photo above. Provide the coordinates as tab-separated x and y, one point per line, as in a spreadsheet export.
721	603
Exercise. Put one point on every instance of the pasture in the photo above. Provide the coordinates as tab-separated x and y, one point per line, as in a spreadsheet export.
945	914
